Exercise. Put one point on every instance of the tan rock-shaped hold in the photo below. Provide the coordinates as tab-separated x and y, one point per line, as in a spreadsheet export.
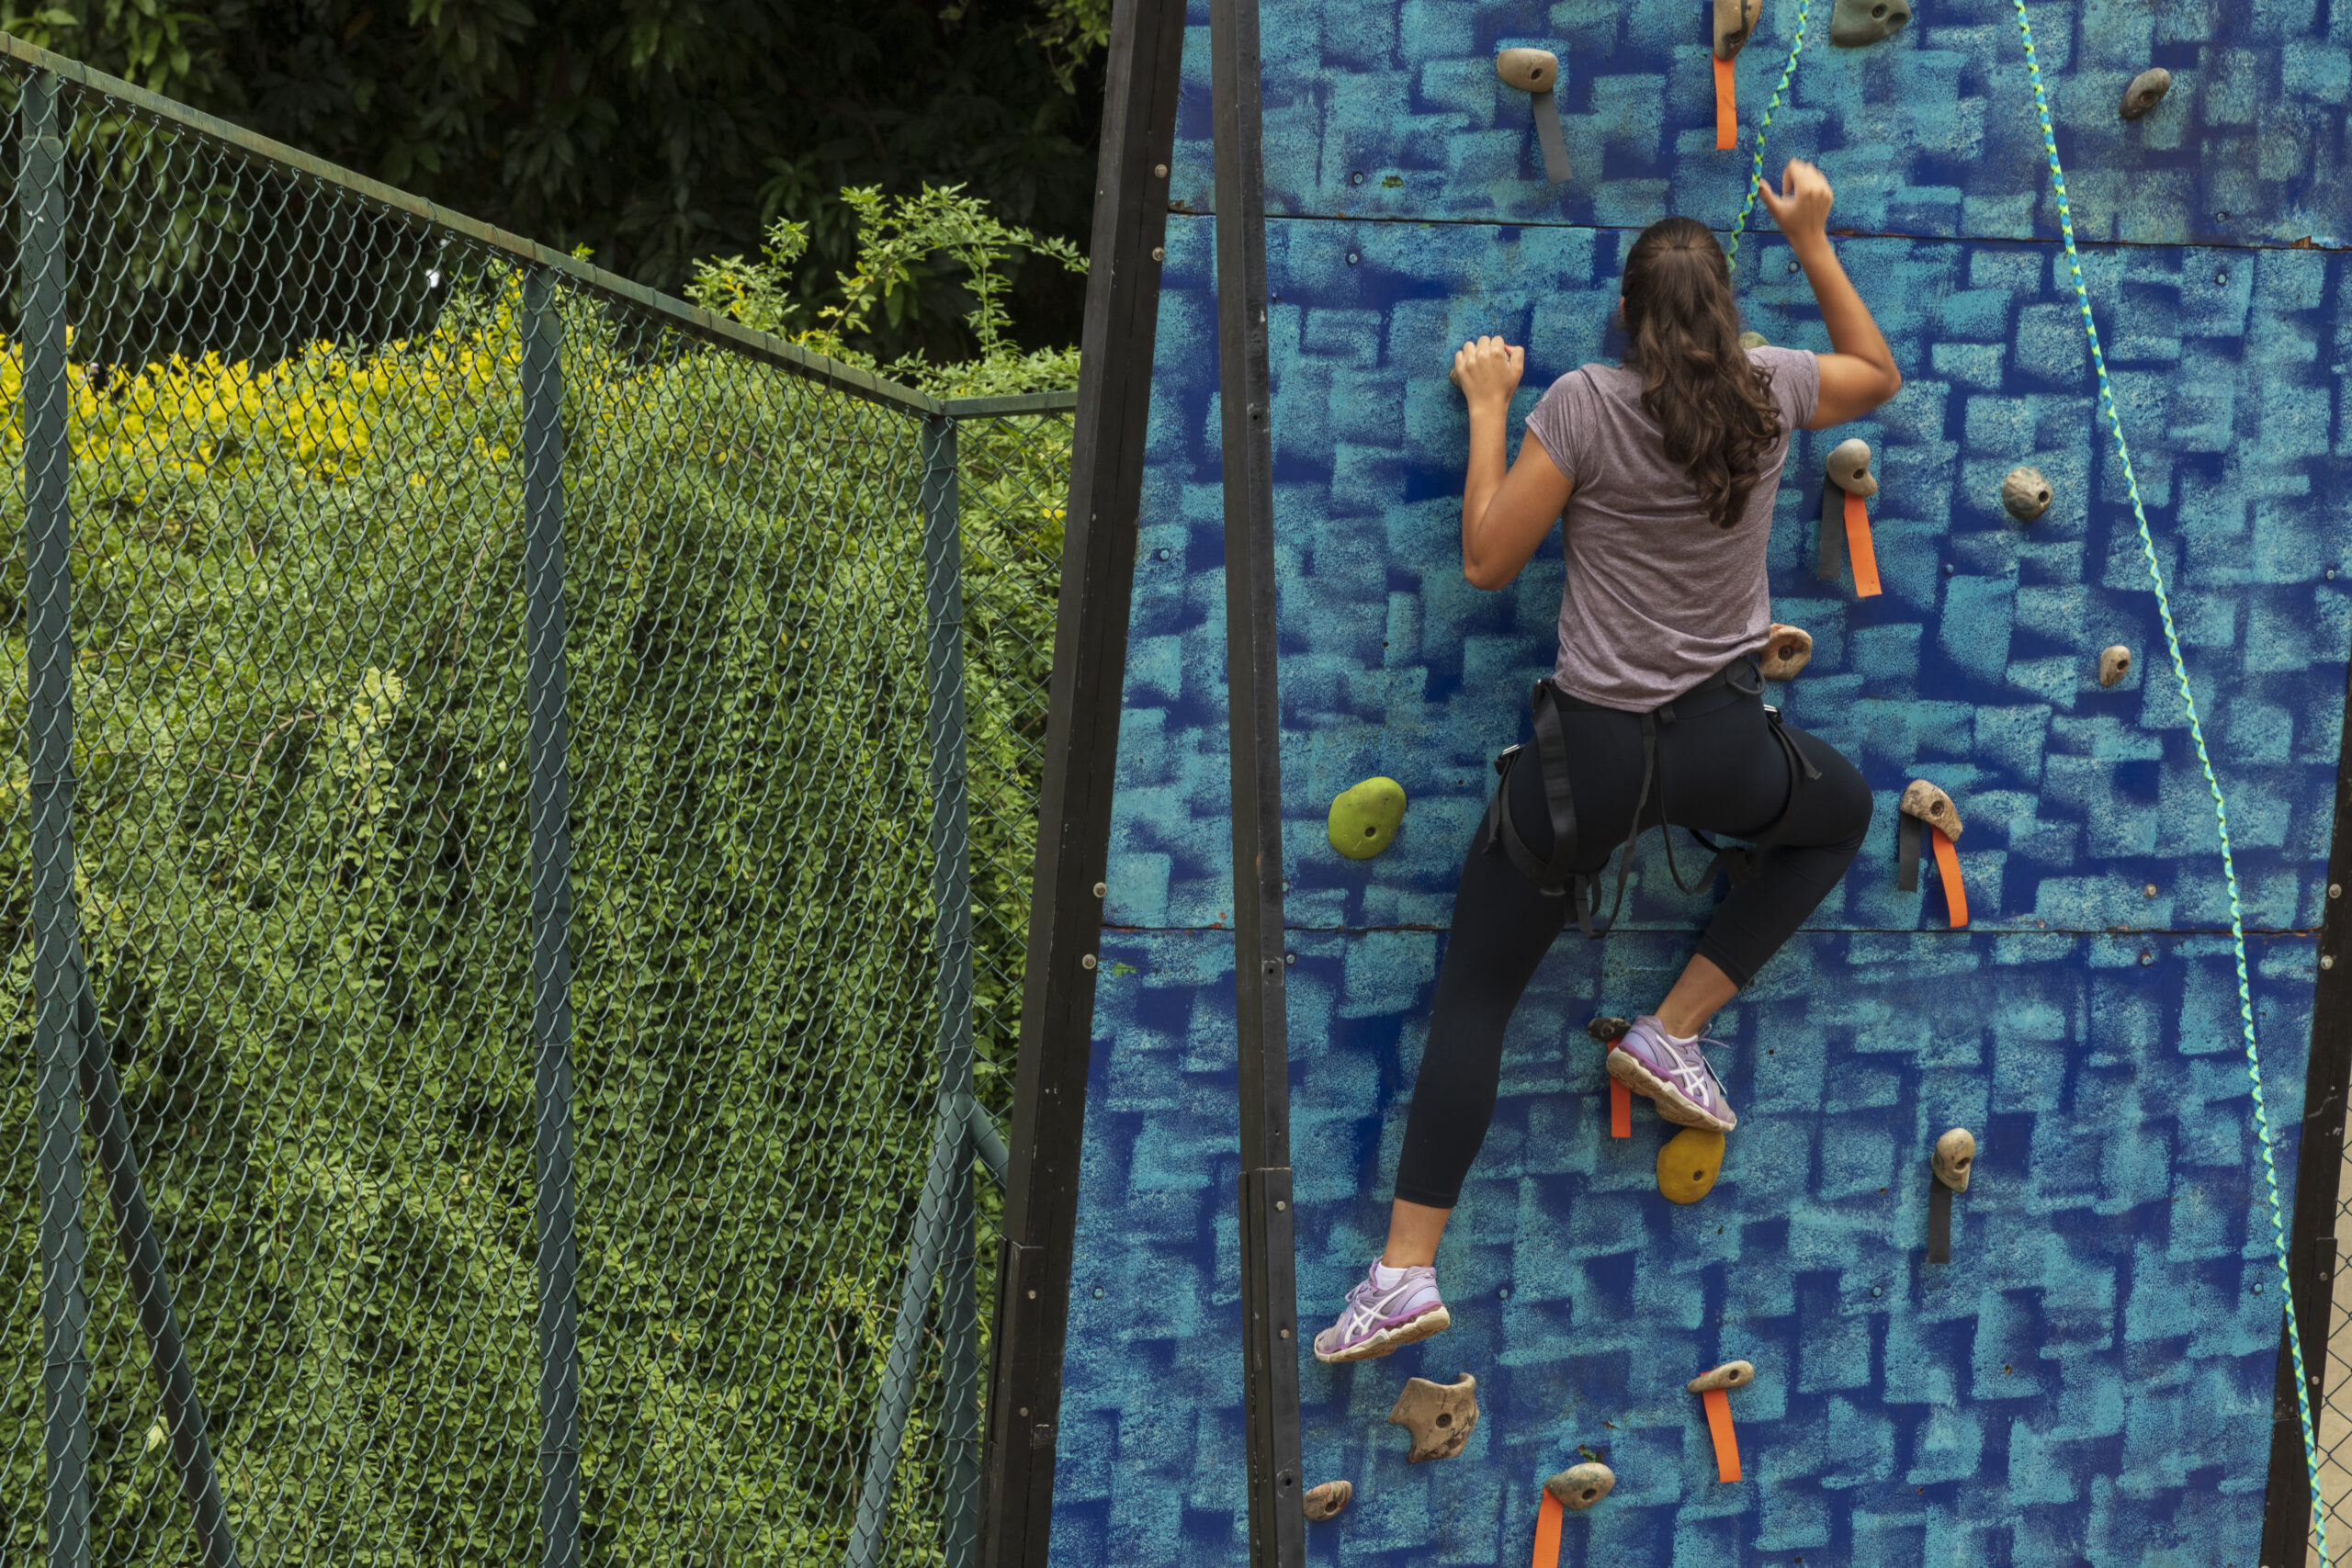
1850	466
2146	90
1688	1164
1529	69
1325	1501
2025	494
1439	1415
1608	1031
1735	21
1579	1486
1855	23
1956	1157
1789	650
2114	663
1933	806
1731	1374
1754	340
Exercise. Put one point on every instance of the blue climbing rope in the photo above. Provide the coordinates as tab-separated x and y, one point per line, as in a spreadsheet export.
1756	173
2204	761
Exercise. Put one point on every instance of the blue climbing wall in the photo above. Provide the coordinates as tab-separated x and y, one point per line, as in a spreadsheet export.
2090	1380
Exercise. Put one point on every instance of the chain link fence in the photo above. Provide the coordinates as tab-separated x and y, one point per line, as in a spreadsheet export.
519	811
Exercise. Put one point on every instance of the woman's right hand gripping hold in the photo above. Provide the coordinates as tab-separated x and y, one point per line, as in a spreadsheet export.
1859	374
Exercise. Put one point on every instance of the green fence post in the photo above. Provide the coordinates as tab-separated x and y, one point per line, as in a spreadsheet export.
48	743
943	1212
950	887
550	813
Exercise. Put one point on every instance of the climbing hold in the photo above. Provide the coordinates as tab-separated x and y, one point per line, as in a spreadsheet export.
2146	90
1735	21
1365	818
1931	806
1955	1157
1955	1153
1688	1164
1439	1415
1325	1501
1608	1031
1712	1389
1788	650
1754	340
1927	809
1854	23
1731	1374
1579	1486
2114	663
1850	466
1845	520
1529	69
2026	494
1535	71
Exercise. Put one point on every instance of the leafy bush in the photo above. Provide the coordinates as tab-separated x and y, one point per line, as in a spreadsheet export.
305	878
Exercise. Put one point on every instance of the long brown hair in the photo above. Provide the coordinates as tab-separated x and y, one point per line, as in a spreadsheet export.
1712	403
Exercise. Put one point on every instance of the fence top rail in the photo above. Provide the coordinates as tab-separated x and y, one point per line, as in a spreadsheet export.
676	312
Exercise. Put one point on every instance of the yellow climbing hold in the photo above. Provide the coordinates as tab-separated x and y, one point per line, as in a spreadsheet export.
1364	819
1688	1163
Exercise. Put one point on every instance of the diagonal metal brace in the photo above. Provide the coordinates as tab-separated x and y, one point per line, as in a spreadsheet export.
150	1284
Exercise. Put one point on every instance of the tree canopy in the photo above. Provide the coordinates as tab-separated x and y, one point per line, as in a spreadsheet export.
659	133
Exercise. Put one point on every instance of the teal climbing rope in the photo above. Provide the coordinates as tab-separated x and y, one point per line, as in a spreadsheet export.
2204	761
1756	173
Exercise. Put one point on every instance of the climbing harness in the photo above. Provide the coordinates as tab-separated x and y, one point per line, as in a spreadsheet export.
1558	875
2204	761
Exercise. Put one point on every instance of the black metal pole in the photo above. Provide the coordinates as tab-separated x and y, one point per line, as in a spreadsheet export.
1081	750
549	746
150	1282
2310	1258
48	744
1269	1292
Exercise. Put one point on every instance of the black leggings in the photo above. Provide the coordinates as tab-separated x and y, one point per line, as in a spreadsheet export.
1722	772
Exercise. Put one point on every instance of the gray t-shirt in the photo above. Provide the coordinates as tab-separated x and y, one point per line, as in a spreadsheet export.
1657	598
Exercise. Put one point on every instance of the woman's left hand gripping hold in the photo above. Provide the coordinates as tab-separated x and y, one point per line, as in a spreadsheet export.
1504	514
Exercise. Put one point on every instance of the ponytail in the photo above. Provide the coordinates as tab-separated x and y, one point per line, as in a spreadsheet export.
1711	402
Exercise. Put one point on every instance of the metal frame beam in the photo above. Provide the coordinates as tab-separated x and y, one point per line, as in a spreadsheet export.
1081	754
2319	1164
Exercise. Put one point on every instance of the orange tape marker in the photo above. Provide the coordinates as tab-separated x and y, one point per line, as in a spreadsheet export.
1948	867
1726	115
1719	1425
1547	1533
1858	548
1621	1111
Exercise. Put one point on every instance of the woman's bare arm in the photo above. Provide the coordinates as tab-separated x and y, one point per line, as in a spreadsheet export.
1504	512
1860	373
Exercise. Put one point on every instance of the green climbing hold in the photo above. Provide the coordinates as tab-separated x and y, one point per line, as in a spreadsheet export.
1364	819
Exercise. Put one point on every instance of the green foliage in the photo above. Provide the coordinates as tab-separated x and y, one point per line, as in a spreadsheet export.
655	131
305	880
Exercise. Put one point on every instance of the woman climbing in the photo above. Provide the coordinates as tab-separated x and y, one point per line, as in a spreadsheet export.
1662	474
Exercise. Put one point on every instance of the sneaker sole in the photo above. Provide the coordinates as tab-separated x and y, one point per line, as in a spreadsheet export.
1671	1102
1388	1342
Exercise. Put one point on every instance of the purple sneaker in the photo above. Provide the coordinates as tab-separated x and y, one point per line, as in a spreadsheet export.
1676	1076
1377	1321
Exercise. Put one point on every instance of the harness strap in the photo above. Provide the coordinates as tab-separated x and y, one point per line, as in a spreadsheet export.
1557	876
